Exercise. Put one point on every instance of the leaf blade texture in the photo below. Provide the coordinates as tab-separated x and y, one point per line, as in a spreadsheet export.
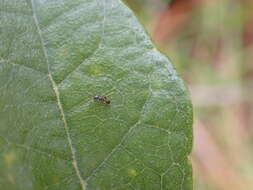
55	56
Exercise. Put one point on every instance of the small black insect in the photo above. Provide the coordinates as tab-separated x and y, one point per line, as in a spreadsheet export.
103	99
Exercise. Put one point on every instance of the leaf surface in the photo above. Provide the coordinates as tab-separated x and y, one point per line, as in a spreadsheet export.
55	56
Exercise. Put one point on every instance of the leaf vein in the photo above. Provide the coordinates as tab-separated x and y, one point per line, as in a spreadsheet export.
123	139
56	90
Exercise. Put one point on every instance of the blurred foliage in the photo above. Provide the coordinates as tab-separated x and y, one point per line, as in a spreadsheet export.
211	45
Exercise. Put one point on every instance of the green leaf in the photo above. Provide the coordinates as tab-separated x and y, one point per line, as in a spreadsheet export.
55	55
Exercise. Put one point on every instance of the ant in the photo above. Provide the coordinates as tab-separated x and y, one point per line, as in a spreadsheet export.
103	99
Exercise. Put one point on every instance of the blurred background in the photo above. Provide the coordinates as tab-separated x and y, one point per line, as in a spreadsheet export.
210	43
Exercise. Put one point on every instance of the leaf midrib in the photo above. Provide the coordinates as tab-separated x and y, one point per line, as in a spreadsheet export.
57	94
